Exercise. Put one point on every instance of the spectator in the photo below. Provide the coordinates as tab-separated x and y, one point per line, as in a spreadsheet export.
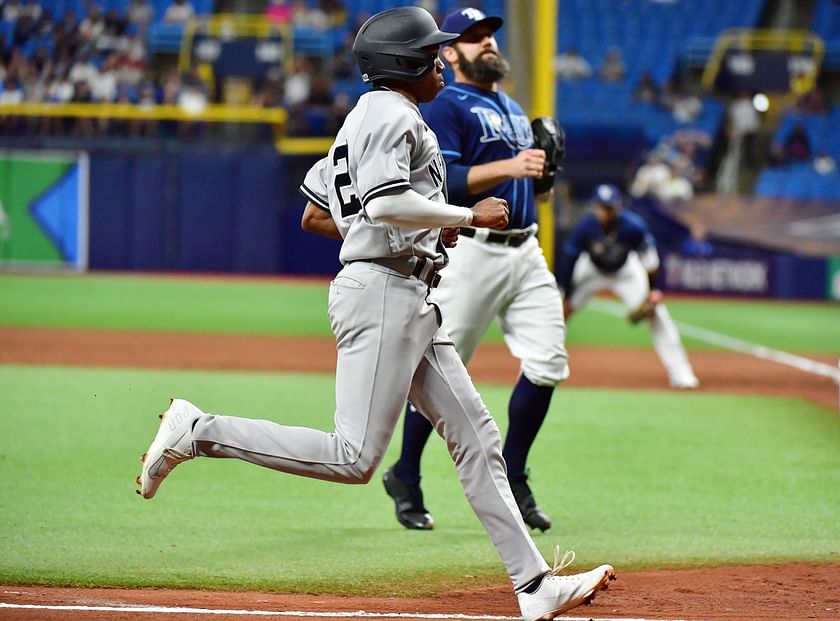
299	82
612	69
92	26
84	70
33	9
305	16
744	122
678	188
179	12
12	92
651	177
797	146
12	10
140	14
570	65
82	94
646	90
696	243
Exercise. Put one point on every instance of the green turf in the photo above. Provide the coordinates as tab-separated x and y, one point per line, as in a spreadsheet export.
284	307
664	479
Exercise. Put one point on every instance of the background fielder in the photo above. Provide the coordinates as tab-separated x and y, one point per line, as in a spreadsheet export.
487	143
613	249
381	189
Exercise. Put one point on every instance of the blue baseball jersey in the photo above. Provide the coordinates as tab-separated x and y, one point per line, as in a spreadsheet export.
608	251
475	126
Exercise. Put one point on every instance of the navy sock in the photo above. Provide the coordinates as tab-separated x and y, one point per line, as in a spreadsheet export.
526	413
416	432
532	586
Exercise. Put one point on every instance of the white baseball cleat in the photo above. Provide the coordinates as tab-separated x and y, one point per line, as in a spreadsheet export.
557	594
171	446
689	382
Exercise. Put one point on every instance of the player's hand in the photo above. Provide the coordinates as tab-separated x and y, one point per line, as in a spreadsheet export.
449	236
491	212
655	296
528	163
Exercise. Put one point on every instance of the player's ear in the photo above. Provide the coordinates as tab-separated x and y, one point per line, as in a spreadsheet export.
449	54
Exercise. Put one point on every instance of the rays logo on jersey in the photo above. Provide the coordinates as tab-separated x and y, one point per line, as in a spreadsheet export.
516	132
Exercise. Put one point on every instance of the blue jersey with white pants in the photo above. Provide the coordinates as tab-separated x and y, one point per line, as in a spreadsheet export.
620	261
496	274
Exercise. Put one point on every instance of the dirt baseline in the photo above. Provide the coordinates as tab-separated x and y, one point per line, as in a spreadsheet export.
771	592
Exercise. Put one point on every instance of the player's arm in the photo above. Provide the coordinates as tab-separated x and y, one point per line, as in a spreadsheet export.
412	210
527	163
572	249
319	221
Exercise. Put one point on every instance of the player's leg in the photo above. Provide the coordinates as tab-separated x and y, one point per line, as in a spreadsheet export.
535	332
382	326
468	305
587	280
444	391
632	286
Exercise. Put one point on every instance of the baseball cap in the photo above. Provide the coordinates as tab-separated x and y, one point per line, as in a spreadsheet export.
608	195
458	21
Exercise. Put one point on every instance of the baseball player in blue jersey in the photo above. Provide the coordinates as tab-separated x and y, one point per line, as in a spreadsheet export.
486	141
613	249
381	190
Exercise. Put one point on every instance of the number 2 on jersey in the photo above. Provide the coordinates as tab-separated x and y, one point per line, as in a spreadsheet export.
343	184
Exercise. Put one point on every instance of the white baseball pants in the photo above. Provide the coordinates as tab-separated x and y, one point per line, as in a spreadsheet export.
630	283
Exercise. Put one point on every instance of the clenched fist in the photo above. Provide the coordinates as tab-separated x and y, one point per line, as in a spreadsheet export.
491	212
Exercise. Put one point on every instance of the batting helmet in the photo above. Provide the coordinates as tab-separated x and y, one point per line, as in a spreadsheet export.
608	195
390	44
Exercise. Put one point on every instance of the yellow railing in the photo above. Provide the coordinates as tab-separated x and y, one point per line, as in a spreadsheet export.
795	41
166	112
214	113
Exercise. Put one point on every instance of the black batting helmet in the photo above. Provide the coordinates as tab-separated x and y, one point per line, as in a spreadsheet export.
390	44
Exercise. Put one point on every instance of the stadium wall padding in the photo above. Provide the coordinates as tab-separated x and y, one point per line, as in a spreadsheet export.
205	212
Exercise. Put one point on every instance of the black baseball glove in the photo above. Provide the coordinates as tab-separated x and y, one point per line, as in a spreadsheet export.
550	137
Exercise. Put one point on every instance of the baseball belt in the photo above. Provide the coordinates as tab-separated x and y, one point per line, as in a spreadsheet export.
423	269
513	239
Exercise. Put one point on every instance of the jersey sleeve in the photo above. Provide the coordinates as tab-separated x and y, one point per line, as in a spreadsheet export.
382	153
443	118
314	186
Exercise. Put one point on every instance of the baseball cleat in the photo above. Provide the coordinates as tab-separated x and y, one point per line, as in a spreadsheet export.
408	500
689	382
171	446
557	594
531	513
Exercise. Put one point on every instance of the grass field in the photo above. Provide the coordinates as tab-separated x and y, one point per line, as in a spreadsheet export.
646	479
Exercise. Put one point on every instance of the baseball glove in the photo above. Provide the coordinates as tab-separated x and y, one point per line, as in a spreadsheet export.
550	137
646	309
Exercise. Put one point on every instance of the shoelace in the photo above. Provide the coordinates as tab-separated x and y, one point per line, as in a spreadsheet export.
560	563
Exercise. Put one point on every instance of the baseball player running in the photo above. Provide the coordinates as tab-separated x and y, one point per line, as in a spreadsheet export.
381	189
613	249
487	143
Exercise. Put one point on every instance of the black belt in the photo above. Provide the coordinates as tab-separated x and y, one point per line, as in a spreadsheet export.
506	239
421	269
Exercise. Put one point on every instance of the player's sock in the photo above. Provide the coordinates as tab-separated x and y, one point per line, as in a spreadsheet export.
416	432
526	412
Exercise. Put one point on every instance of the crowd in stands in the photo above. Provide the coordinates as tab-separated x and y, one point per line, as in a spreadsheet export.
102	57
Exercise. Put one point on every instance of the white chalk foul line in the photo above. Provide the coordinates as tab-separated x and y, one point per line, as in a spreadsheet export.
359	614
716	338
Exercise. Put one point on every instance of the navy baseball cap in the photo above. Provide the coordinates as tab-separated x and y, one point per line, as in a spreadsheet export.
458	21
608	195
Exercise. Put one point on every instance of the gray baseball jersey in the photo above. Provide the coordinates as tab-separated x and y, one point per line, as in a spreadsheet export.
383	147
389	343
